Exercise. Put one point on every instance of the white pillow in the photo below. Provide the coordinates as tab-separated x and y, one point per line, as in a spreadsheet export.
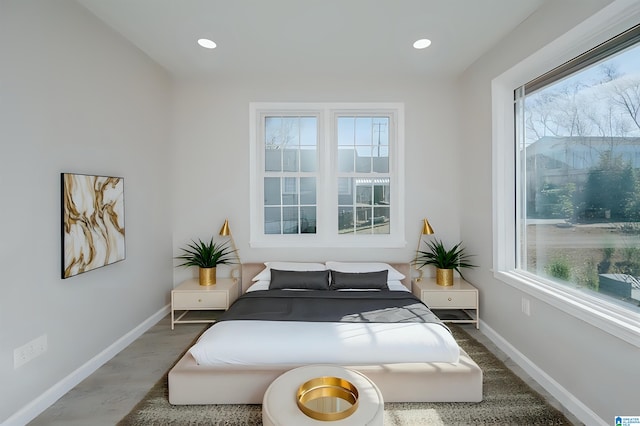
394	274
397	286
265	274
393	286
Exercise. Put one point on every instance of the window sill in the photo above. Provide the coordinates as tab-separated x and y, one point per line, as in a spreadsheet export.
611	319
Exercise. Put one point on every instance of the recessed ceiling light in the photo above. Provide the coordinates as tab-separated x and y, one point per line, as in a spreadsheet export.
423	43
206	43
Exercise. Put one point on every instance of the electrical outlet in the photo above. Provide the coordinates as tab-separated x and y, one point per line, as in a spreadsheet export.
526	306
29	351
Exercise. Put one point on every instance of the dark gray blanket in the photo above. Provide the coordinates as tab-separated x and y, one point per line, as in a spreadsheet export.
330	306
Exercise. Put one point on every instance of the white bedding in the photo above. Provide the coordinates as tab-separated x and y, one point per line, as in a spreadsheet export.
298	343
286	342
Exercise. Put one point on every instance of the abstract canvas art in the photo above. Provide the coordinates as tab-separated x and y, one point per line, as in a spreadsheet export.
92	222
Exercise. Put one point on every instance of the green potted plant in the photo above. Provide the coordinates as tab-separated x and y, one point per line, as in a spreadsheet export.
206	256
445	260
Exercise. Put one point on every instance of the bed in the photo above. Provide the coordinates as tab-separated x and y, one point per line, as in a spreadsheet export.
227	370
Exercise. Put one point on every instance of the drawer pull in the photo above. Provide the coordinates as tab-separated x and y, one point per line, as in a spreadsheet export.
200	300
449	299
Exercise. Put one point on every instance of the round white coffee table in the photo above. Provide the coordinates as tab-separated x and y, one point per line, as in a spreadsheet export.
280	408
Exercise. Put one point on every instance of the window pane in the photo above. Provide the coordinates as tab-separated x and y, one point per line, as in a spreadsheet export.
579	166
290	220
272	132
363	144
346	131
381	220
309	131
272	160
308	159
381	192
364	130
363	159
307	220
371	212
290	131
291	144
381	159
307	190
364	220
346	156
290	160
345	191
272	191
345	220
272	224
281	132
381	131
290	191
363	195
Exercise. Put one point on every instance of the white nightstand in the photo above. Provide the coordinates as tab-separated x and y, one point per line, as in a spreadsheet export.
191	296
457	303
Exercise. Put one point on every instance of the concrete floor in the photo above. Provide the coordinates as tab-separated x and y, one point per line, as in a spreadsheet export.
106	396
113	390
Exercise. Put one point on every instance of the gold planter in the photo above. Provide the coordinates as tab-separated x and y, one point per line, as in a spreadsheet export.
207	276
444	277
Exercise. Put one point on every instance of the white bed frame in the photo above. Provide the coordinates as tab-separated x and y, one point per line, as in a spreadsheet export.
190	383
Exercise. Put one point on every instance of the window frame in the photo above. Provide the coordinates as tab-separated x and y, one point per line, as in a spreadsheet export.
327	183
604	315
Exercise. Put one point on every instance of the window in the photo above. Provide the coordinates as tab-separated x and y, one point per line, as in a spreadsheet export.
575	236
579	176
363	152
327	175
290	174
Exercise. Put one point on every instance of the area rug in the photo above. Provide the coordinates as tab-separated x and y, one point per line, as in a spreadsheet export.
507	400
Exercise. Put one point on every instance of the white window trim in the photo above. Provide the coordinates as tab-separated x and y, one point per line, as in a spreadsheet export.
327	187
610	318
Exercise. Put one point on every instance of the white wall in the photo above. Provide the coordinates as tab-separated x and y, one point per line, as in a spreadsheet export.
75	97
592	370
212	155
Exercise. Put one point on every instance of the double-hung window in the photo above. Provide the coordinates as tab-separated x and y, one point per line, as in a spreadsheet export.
327	175
290	174
576	179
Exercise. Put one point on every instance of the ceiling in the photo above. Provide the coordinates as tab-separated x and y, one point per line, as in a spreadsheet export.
313	36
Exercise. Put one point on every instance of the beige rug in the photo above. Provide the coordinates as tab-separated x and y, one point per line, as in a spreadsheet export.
507	401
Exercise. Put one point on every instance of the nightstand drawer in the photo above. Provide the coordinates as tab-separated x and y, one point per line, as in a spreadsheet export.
457	303
203	300
450	299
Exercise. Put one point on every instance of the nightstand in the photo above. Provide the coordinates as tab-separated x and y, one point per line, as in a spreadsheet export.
192	300
457	303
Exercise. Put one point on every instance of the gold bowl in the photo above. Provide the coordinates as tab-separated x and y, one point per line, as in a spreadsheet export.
327	398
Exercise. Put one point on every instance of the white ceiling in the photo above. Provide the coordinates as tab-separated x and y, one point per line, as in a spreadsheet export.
313	36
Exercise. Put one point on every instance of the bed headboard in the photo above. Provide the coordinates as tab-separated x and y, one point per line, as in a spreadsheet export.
250	270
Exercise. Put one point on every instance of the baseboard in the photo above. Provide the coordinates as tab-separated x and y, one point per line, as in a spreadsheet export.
55	392
567	399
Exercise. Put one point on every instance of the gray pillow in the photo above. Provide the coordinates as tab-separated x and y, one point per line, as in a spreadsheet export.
359	280
300	280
